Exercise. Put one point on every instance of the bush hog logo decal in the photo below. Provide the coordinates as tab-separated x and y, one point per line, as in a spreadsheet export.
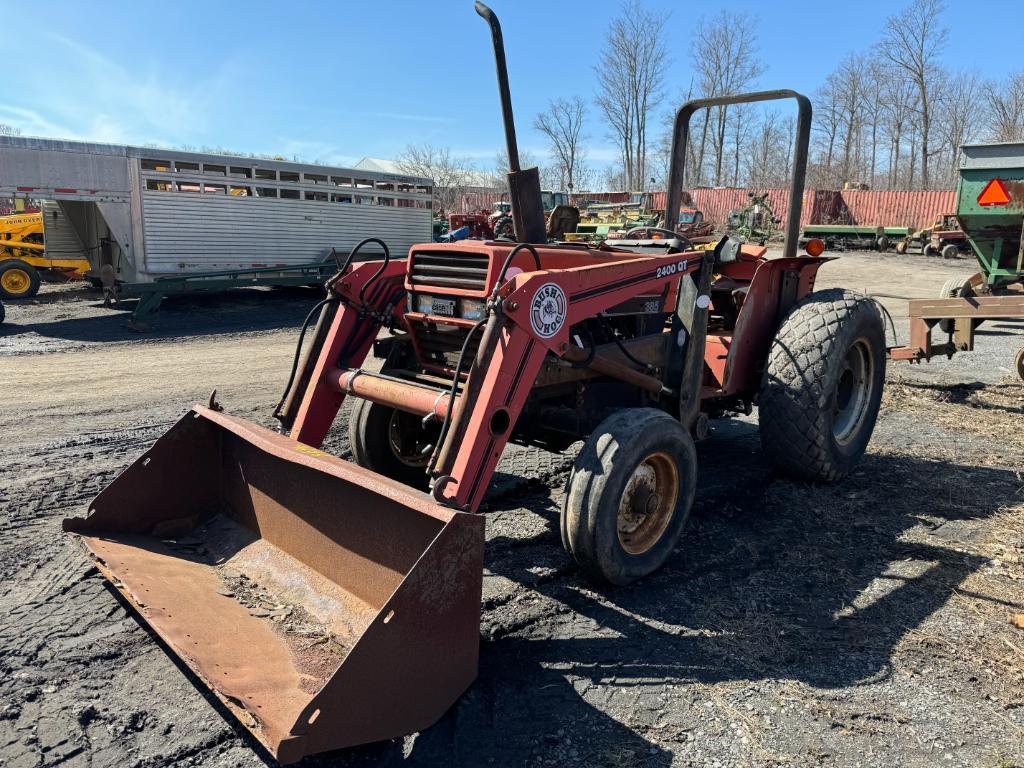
547	310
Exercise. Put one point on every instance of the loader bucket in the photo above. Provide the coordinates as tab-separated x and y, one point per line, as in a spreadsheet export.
324	605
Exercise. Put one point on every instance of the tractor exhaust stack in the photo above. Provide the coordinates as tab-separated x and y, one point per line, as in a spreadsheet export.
524	185
325	606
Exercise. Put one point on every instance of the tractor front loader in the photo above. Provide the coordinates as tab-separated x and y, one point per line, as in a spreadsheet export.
330	603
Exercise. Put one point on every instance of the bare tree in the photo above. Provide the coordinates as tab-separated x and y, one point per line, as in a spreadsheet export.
499	178
740	133
725	57
1006	108
451	175
913	42
850	76
631	73
874	107
767	153
562	123
828	119
9	130
897	98
961	119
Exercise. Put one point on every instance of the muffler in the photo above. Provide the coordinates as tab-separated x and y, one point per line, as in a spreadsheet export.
325	606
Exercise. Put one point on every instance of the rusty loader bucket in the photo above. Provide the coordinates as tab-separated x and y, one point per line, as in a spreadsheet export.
324	605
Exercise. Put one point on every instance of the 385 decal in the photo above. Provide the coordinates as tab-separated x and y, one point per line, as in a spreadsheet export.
670	269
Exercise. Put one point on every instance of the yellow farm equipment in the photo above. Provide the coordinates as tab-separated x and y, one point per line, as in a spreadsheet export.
24	260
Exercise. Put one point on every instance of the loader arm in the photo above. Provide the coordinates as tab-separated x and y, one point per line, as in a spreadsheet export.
367	303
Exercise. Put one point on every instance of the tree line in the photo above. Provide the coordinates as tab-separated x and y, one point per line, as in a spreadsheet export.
890	116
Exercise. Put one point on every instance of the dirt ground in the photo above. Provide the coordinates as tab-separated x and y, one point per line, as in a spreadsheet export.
858	624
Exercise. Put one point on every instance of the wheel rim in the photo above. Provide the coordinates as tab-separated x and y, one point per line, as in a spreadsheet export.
15	281
647	503
409	441
853	391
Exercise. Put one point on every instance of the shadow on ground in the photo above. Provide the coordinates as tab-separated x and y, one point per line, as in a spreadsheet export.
201	314
773	581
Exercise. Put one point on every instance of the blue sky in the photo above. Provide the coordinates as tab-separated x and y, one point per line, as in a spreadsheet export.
334	81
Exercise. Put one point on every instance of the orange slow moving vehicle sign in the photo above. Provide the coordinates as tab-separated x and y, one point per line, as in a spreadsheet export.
994	193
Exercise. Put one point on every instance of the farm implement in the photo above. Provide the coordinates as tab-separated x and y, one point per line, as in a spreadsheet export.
990	210
330	603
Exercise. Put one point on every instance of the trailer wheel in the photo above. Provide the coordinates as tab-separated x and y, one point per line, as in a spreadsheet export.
823	385
629	495
883	244
391	442
954	288
950	251
18	280
901	247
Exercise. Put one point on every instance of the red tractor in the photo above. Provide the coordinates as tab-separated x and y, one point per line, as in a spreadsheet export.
630	347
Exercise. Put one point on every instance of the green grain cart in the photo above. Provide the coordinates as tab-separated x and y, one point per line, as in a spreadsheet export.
990	208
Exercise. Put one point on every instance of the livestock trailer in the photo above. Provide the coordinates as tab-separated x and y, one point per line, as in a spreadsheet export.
156	222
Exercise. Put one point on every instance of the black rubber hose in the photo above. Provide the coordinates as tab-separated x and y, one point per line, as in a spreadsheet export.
298	349
618	342
508	262
454	391
383	266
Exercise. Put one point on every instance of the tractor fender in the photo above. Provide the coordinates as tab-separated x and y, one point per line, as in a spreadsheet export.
777	285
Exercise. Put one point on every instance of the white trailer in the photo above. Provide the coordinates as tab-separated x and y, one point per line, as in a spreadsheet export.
155	222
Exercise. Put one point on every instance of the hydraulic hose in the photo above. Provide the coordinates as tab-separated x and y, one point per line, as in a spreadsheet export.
298	350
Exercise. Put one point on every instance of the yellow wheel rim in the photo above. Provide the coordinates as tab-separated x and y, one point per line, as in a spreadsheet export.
15	281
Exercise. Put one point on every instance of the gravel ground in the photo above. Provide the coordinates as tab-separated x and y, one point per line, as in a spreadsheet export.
857	624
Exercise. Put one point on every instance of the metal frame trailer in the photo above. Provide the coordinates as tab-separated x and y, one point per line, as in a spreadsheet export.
990	208
839	236
157	222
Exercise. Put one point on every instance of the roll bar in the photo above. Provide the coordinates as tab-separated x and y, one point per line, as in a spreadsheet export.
680	139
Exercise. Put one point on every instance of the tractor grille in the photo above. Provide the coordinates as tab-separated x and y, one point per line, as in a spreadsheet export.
446	269
439	344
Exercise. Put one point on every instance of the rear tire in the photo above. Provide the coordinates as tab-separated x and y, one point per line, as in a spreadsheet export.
823	385
390	442
629	495
929	251
883	244
950	251
18	280
954	288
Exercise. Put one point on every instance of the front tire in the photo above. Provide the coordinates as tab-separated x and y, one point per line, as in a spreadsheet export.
822	385
629	495
391	442
18	280
950	251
